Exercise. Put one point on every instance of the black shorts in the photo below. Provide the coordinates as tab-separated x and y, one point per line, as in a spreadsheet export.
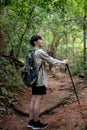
38	90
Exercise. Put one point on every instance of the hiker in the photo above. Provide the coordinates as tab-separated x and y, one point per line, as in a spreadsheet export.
39	89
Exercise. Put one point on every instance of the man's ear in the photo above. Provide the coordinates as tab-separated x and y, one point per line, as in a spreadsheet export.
35	43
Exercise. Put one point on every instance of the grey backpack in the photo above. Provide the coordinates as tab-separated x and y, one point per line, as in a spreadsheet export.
29	73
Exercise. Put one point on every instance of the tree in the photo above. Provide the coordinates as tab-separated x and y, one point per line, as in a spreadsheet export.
2	33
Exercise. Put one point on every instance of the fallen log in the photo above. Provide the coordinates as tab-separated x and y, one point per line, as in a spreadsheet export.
13	61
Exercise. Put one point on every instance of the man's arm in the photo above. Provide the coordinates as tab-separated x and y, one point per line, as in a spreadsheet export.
50	59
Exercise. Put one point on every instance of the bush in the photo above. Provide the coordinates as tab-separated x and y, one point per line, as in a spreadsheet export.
10	81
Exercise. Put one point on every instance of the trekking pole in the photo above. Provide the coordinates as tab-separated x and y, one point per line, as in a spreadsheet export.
67	68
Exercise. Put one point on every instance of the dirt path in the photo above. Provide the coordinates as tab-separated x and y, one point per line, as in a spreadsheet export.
59	108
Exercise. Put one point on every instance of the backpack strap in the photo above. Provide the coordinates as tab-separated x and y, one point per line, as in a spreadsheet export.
32	55
40	66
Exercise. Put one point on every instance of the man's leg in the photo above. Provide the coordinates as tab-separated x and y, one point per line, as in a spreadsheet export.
37	122
31	107
34	122
37	107
31	112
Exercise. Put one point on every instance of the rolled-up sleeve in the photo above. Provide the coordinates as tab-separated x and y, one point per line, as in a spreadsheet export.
48	58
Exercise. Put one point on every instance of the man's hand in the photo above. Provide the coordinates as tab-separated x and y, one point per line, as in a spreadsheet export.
65	61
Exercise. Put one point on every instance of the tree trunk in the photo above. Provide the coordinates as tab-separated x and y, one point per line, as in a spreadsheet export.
50	53
84	31
26	28
2	34
73	54
66	44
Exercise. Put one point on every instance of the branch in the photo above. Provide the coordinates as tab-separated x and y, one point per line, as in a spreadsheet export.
22	36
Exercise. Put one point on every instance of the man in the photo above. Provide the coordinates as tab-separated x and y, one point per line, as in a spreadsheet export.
39	90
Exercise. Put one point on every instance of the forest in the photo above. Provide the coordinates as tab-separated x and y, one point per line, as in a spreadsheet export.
63	26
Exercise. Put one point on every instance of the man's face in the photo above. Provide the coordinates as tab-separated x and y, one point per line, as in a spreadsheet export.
39	43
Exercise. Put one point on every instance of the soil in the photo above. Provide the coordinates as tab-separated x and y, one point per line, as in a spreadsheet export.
59	107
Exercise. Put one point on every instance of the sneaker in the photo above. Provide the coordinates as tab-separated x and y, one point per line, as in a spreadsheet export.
39	125
30	124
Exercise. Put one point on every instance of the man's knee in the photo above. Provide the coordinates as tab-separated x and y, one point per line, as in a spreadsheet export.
38	97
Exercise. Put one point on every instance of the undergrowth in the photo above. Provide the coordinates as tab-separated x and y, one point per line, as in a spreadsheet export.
10	82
